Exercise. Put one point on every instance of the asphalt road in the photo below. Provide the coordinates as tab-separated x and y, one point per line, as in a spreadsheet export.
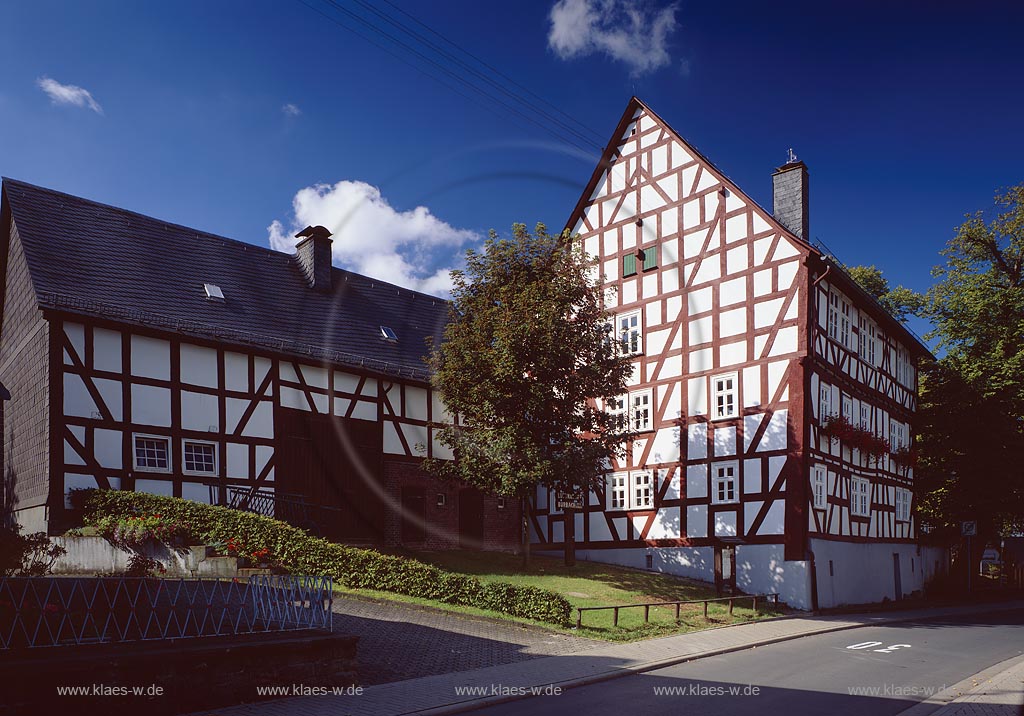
812	675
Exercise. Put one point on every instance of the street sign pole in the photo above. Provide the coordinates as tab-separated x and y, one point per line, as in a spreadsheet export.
970	564
569	504
570	538
968	529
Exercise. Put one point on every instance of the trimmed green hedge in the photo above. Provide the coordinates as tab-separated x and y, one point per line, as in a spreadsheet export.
301	553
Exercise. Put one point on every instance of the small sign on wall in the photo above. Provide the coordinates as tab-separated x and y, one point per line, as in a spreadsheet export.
569	501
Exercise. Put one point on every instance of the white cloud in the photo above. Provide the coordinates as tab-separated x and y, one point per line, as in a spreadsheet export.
68	94
631	32
410	248
291	110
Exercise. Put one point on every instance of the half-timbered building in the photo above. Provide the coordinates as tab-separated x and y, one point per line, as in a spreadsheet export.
748	344
144	355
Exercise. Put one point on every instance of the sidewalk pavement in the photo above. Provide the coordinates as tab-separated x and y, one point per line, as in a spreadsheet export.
998	694
401	641
439	694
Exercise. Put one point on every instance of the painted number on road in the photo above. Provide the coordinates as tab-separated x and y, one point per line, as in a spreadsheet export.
884	650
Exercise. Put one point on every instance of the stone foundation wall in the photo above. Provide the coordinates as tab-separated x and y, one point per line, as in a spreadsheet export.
94	555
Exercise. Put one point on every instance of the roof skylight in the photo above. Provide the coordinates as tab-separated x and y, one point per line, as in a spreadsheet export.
388	334
213	292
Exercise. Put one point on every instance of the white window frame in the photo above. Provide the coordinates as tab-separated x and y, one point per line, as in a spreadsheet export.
629	332
833	315
618	491
895	434
860	497
135	455
903	499
903	367
617	407
216	458
865	416
847	402
641	402
868	338
725	473
642	487
824	401
846	324
819	487
731	396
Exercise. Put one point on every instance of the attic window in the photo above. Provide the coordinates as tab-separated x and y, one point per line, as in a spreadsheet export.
213	292
388	334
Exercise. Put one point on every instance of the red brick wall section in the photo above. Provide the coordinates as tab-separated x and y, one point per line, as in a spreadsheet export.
24	360
501	526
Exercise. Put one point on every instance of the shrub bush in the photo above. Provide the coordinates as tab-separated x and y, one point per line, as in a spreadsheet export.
30	555
301	553
132	532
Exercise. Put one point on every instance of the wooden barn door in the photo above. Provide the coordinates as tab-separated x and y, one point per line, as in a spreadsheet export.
335	465
471	518
413	515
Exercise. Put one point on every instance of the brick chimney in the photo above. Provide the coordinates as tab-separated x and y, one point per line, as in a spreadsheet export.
790	194
313	253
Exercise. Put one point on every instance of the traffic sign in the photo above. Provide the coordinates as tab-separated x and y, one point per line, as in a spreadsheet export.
969	529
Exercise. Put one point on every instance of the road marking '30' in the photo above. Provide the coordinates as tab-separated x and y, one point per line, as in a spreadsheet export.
884	650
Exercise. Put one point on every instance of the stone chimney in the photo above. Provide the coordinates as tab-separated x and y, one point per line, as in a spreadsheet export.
314	256
789	183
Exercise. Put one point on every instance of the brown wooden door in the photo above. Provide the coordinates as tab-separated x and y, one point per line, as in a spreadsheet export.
413	515
471	518
335	465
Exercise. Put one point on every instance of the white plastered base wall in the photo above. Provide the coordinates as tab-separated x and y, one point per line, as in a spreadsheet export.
865	573
760	569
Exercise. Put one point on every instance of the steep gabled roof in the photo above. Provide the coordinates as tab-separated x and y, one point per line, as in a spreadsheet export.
634	105
613	143
94	259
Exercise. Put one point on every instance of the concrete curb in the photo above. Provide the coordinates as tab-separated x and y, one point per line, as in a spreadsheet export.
471	705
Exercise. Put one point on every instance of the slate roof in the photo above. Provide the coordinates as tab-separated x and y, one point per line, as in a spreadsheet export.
94	259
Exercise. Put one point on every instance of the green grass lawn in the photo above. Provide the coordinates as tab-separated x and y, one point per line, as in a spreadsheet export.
592	584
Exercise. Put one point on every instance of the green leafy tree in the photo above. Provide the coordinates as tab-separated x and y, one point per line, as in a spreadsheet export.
527	354
972	405
970	450
900	301
977	305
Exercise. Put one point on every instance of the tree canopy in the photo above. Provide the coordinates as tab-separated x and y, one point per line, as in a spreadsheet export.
900	302
524	360
977	305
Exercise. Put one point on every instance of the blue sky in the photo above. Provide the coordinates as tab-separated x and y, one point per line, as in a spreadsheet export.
908	115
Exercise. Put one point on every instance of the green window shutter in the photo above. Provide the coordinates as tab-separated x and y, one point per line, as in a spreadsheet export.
629	264
651	258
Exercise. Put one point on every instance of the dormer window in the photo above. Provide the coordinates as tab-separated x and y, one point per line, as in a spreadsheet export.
388	334
213	292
